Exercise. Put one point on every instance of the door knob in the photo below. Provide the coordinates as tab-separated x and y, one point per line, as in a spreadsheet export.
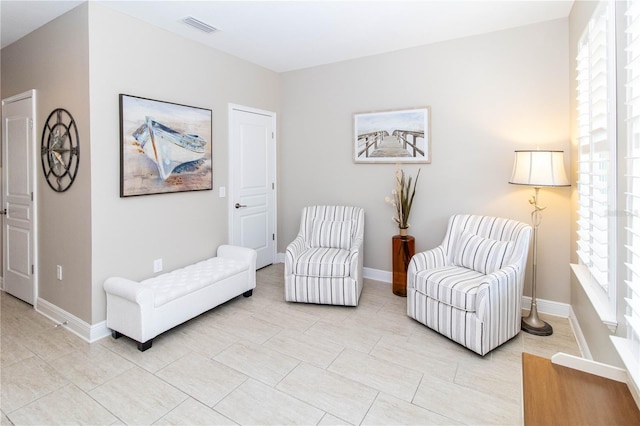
238	205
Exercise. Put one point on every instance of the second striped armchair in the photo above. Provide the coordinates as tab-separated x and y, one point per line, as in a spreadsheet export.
469	287
324	263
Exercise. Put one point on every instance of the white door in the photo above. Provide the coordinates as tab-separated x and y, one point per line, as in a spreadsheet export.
18	178
252	183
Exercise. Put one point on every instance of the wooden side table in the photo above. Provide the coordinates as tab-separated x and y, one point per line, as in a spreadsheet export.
557	395
403	247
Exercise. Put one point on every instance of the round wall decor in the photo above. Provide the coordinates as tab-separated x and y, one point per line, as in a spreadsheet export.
60	152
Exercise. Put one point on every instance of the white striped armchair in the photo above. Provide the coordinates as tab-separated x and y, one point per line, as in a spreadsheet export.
324	263
469	288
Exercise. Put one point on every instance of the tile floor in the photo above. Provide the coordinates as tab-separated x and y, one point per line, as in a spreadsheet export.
260	360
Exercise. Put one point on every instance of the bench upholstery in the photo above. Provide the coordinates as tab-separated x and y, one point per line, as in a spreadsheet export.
142	310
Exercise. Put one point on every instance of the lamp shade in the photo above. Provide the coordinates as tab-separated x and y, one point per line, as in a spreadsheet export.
539	168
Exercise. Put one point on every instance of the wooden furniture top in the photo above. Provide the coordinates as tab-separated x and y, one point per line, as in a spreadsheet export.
558	395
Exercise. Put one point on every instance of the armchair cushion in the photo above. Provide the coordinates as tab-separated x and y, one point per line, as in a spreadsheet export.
452	285
323	262
331	234
483	255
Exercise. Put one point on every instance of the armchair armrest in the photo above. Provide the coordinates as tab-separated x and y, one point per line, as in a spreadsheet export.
293	251
356	258
356	247
506	283
429	259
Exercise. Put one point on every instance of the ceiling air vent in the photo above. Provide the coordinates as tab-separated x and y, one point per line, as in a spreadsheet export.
199	25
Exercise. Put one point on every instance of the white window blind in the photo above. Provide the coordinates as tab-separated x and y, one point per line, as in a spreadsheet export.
596	147
631	347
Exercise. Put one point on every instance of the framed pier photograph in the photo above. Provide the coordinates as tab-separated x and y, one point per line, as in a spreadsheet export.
399	136
164	147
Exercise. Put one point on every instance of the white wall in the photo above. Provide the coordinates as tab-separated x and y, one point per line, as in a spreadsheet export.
132	57
489	94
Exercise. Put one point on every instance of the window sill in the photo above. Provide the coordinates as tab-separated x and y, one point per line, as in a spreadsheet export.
596	295
623	346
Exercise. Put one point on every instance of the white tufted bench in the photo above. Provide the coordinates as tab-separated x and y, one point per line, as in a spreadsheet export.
142	310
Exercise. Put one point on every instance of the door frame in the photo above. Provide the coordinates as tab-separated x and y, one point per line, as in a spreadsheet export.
233	161
34	188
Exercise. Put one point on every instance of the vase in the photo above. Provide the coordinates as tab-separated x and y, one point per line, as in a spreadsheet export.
402	249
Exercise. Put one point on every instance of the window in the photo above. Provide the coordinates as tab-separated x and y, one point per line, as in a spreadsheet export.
629	348
597	158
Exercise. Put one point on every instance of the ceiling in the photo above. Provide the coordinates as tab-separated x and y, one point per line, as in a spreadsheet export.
290	35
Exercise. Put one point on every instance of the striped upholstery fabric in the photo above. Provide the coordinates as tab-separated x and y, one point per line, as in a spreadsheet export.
332	234
481	254
453	285
473	298
323	264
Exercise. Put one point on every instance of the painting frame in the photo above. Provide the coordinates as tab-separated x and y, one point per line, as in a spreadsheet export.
165	147
373	134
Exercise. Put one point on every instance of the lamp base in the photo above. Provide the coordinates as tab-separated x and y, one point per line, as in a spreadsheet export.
538	328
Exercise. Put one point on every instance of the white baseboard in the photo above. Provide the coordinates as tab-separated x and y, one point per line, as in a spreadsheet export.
377	275
548	307
92	333
544	306
87	332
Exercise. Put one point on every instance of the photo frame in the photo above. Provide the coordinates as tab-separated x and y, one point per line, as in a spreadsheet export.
164	147
396	136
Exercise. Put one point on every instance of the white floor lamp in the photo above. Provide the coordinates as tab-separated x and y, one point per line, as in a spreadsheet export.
537	169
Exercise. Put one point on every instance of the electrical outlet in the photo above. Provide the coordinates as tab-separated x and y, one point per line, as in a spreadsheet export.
59	272
157	265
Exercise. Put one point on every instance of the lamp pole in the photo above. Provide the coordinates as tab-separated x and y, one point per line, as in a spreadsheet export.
532	323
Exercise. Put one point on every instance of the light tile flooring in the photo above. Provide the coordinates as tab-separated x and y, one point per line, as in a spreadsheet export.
261	360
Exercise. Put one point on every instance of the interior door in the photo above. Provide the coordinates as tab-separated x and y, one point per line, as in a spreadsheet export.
18	146
252	199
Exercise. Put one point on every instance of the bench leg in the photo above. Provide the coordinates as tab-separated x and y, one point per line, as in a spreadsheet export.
248	293
144	346
116	334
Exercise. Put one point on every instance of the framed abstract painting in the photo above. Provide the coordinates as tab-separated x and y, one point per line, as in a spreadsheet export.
164	147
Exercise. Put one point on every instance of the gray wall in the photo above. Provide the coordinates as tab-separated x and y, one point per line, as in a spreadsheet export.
142	60
489	94
90	230
54	60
